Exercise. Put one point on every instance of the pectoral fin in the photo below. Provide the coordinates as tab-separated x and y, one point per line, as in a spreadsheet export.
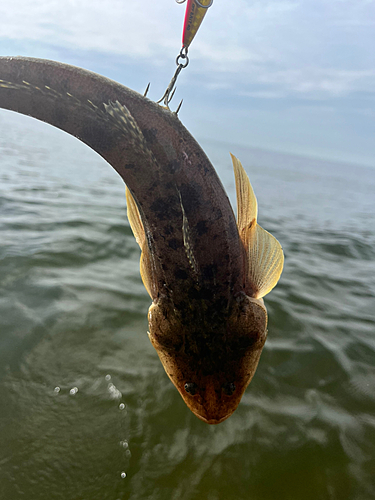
134	218
136	224
265	261
265	258
146	268
247	206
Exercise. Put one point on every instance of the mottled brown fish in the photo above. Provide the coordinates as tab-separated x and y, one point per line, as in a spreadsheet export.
205	273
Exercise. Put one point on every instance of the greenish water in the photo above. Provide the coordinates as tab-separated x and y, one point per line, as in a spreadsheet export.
86	410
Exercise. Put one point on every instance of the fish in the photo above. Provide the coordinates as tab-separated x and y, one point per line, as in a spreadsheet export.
205	270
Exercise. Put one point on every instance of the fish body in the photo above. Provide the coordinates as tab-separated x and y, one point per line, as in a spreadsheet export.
205	272
210	351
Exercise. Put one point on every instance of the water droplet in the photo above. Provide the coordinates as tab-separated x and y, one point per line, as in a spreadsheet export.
108	377
57	389
73	391
128	453
124	444
121	406
123	475
114	392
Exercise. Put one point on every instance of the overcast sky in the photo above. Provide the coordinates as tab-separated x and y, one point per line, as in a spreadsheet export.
288	75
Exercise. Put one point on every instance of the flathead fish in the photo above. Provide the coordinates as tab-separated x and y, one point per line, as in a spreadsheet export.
205	271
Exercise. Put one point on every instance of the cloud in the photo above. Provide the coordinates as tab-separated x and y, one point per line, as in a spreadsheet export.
131	28
261	47
318	82
293	75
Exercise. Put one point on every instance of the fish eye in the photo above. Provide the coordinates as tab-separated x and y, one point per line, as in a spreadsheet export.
229	388
191	388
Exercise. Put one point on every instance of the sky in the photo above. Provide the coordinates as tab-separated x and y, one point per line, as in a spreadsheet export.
296	76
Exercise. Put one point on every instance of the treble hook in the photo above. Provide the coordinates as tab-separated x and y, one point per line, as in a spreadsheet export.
186	40
169	93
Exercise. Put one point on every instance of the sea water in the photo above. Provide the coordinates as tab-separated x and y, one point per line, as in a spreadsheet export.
86	409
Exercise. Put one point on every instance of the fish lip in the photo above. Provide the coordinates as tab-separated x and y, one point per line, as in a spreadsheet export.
212	421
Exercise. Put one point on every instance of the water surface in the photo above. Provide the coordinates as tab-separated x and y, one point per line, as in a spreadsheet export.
86	409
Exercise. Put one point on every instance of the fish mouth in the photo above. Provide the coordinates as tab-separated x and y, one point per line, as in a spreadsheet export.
212	421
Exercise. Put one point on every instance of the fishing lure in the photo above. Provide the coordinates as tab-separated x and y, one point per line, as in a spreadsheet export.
194	14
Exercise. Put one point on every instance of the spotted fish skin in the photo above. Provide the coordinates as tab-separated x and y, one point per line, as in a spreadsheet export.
206	327
154	154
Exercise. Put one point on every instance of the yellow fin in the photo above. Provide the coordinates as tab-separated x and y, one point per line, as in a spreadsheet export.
265	261
247	206
134	218
265	258
146	268
136	224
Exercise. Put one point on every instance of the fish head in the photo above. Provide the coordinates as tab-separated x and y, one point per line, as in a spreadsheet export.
210	366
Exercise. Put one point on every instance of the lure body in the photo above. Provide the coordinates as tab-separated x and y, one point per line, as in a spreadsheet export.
193	19
205	273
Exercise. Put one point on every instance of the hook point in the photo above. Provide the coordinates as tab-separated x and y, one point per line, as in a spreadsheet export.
179	107
147	89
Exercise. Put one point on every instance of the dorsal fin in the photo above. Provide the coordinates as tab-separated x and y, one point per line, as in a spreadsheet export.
136	225
265	258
